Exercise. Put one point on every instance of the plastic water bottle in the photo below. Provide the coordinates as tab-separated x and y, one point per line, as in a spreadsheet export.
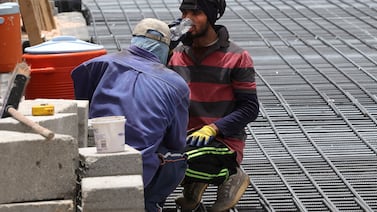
180	29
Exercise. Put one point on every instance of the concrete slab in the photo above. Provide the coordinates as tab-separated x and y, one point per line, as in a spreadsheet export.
34	169
60	105
95	164
72	24
64	123
43	206
67	112
4	81
113	193
81	107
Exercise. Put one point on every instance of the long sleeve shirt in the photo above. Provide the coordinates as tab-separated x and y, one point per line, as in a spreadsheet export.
223	88
153	98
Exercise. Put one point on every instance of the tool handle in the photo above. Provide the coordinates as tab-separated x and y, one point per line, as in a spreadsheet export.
48	134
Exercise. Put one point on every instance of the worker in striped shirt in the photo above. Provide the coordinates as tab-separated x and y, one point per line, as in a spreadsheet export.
223	100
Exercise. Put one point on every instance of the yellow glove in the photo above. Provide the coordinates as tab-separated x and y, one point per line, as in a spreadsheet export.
201	137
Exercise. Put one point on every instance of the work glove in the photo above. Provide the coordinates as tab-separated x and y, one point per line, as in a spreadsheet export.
201	137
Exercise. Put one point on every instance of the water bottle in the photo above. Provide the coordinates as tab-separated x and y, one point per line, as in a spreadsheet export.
180	29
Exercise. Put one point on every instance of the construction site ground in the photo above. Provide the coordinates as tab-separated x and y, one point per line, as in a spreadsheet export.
314	145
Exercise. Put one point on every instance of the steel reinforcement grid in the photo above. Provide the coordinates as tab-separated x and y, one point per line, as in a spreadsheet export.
314	145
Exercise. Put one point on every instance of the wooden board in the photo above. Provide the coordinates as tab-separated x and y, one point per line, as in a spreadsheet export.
36	16
46	13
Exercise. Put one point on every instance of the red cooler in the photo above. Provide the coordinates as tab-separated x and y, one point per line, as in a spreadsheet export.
10	36
52	63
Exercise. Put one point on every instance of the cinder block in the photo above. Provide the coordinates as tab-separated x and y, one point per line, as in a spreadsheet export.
83	114
96	164
64	123
79	107
34	169
60	105
43	206
113	193
72	24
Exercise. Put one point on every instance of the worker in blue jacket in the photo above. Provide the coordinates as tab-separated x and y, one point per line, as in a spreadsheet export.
135	83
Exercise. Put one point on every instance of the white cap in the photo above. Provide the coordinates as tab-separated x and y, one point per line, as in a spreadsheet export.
147	24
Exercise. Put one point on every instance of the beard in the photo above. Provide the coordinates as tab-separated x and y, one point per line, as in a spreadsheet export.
199	34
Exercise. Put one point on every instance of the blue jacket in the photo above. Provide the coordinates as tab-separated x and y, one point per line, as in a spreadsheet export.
153	99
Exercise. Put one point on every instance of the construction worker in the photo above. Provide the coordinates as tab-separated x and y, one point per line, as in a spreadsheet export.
136	83
223	100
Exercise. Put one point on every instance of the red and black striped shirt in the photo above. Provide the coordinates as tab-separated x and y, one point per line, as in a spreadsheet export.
222	88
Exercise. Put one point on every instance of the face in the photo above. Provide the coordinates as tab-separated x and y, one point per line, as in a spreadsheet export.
200	22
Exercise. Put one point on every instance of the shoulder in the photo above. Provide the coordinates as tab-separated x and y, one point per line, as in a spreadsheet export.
174	77
173	80
226	44
240	54
105	59
235	49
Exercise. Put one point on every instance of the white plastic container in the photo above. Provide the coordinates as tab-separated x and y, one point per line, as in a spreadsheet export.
109	133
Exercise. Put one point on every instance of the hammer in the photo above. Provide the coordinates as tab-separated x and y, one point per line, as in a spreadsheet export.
14	93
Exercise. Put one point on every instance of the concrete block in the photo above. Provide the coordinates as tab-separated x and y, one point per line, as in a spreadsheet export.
81	107
83	113
95	164
113	193
72	24
42	206
64	123
78	107
60	105
4	83
34	169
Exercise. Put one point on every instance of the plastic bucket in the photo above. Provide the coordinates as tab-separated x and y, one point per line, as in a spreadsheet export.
10	36
109	133
52	63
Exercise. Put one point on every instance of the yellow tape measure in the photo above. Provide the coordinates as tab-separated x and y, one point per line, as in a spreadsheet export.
42	110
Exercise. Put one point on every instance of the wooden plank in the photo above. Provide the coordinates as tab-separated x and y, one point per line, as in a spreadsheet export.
37	13
30	22
47	16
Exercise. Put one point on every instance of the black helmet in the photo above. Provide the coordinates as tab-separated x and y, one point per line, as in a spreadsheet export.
214	9
220	5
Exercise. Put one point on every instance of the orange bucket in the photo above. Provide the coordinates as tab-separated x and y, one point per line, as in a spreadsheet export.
52	63
10	36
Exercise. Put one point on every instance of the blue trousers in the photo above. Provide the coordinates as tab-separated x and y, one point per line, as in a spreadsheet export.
168	177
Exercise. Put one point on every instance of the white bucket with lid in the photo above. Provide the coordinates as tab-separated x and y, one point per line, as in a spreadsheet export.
109	133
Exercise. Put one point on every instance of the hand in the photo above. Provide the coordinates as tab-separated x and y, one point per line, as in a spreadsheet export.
176	34
201	137
175	22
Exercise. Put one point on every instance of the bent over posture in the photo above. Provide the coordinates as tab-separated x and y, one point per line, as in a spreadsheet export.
223	101
154	99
